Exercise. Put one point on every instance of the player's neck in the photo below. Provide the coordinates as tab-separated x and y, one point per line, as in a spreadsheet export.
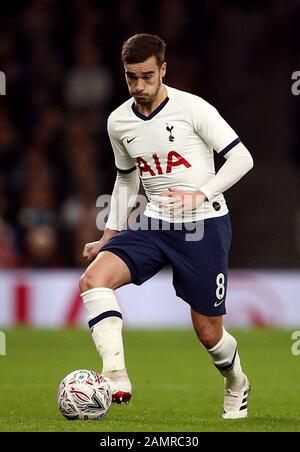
147	109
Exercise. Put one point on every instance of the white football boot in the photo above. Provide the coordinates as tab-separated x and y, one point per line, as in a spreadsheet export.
120	386
236	402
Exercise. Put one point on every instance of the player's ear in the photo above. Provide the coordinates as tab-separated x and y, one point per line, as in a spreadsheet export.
163	70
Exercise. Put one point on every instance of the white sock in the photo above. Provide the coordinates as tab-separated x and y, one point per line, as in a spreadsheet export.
226	359
105	322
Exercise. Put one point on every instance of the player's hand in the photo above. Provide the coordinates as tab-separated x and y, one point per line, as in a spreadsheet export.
92	249
182	200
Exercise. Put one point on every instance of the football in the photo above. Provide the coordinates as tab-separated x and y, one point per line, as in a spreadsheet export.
84	395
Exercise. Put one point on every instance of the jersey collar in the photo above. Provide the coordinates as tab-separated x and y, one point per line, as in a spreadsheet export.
154	113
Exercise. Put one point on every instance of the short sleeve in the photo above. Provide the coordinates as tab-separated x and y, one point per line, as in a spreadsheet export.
123	161
212	128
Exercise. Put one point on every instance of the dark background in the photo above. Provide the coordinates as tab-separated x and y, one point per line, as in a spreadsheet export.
64	76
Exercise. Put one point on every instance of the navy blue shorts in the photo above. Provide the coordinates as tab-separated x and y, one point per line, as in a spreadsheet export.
199	265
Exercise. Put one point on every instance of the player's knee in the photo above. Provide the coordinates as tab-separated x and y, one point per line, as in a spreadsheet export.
91	281
208	337
84	282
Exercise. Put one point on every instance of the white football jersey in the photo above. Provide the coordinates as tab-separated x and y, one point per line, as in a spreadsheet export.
173	147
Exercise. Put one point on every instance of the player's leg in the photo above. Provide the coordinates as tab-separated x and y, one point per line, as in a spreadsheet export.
97	284
200	278
222	348
129	257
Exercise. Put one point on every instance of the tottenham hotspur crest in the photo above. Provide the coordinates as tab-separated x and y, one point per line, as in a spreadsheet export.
169	129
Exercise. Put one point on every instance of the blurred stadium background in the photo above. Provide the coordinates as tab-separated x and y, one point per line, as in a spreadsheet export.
64	76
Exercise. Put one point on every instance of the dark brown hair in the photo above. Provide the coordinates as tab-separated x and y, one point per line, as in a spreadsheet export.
142	46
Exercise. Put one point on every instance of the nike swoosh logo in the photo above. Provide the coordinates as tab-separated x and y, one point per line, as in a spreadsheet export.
129	141
218	304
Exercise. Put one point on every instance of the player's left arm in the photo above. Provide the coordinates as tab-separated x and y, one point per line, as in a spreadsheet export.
216	132
238	162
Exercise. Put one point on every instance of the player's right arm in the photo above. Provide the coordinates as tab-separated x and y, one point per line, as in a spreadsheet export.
124	193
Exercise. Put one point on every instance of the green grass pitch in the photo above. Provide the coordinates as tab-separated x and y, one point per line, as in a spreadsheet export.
176	388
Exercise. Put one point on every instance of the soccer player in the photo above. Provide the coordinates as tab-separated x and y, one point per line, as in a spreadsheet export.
165	138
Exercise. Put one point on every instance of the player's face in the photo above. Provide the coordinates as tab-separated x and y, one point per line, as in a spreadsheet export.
144	79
